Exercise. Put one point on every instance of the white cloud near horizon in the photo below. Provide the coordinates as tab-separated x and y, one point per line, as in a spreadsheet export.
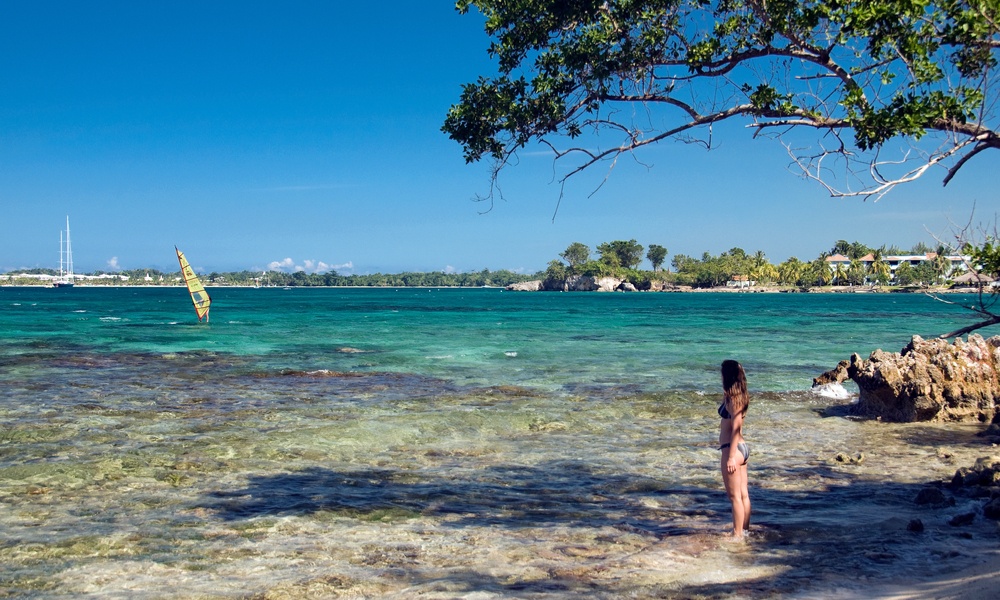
113	264
310	266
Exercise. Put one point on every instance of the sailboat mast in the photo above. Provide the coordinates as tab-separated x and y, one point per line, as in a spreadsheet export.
69	252
65	279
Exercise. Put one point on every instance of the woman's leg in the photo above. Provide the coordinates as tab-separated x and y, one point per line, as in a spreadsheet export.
734	489
745	496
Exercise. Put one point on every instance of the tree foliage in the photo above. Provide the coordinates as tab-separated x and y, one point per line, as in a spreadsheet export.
656	255
576	254
621	253
713	271
861	75
983	259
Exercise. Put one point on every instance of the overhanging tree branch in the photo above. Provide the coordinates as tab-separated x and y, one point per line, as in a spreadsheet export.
886	70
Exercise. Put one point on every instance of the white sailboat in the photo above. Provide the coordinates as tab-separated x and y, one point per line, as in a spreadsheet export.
65	260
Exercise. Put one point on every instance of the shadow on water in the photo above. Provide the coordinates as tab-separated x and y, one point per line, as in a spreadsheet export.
561	492
846	528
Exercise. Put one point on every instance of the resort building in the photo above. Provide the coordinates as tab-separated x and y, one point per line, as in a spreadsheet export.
835	260
741	282
955	264
48	279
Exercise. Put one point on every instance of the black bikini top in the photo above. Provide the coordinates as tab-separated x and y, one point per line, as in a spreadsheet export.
723	412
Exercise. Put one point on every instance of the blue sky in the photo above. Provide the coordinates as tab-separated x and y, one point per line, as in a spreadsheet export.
306	134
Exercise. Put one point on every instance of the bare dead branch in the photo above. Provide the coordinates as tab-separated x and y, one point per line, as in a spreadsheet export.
970	328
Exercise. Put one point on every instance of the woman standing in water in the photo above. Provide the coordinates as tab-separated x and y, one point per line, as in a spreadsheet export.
735	451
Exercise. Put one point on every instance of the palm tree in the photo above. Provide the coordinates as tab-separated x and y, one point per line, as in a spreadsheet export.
856	272
760	270
941	264
768	273
879	269
839	274
820	272
790	271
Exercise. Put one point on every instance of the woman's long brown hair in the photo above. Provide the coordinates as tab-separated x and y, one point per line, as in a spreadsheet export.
734	384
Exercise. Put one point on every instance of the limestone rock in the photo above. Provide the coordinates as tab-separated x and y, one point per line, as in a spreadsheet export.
586	283
930	380
526	286
837	374
609	284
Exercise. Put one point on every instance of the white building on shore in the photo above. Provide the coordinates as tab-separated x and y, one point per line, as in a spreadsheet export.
45	278
956	264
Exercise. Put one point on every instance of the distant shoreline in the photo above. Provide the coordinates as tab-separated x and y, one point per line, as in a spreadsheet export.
676	290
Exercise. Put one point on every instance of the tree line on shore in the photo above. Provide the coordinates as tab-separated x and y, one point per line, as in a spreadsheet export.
154	277
619	258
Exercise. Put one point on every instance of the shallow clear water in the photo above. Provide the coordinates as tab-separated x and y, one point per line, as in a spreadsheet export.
452	443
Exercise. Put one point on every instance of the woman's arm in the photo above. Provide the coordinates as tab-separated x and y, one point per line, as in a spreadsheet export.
735	437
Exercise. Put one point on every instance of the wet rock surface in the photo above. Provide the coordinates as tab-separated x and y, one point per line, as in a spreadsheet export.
929	380
980	482
837	374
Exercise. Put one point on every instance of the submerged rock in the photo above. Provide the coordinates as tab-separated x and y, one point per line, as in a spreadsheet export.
930	380
982	480
962	519
934	497
853	460
992	509
986	472
992	433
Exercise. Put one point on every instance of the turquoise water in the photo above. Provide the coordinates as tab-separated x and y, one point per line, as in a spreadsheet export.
452	443
655	341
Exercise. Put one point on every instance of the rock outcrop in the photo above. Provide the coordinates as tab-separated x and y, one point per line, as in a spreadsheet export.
576	283
586	283
930	380
526	286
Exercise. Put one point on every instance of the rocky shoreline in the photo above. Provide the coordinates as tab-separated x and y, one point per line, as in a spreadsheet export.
934	380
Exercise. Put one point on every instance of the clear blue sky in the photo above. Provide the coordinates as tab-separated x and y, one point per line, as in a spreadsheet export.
307	133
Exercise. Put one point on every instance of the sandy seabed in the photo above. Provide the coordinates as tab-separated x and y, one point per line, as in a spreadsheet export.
460	520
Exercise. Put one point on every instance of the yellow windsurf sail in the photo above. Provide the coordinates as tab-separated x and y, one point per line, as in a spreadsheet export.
198	294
